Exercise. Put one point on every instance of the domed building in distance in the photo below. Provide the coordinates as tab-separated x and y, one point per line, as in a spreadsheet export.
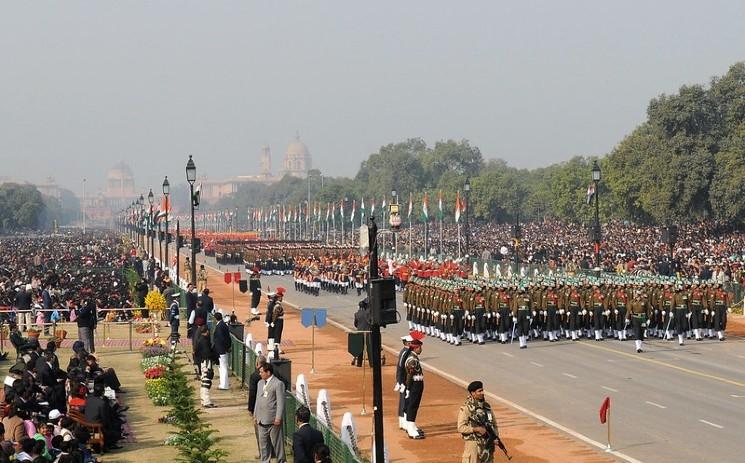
297	160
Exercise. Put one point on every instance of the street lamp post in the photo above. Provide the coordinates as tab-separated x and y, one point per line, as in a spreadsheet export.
467	189
151	227
191	177
141	202
166	192
394	194
596	231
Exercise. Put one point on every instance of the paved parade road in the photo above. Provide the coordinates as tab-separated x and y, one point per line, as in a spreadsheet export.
669	404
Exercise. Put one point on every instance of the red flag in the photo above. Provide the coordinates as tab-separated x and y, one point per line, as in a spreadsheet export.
236	276
604	410
228	277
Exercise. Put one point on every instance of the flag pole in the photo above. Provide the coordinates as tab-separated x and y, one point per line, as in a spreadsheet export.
608	449
458	240
441	254
410	254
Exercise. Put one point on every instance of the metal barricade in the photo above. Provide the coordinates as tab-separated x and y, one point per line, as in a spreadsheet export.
242	363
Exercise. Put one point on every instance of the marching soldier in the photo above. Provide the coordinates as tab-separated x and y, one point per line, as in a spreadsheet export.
681	307
638	314
620	306
697	298
521	317
551	307
503	312
576	307
721	302
597	302
477	426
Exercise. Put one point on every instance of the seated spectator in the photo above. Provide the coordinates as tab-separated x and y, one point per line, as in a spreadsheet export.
98	410
76	400
24	449
100	375
13	424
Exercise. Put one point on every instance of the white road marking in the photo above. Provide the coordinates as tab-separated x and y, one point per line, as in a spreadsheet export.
655	404
577	435
609	389
599	445
569	375
741	356
507	354
737	396
536	364
718	426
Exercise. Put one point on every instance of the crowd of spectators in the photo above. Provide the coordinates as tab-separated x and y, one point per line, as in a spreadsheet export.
51	413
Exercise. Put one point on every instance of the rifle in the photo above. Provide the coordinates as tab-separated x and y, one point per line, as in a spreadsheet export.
493	439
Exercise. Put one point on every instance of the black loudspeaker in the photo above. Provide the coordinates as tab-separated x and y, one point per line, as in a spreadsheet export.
243	285
254	284
197	244
179	241
237	330
383	301
283	371
665	238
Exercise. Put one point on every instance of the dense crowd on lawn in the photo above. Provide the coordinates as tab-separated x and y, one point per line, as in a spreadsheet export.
59	409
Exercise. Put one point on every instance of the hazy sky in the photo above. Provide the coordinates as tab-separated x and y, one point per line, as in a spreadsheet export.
84	85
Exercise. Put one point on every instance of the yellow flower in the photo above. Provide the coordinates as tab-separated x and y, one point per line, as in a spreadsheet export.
155	301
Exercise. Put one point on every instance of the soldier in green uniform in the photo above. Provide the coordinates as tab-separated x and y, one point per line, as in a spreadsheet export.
475	424
638	314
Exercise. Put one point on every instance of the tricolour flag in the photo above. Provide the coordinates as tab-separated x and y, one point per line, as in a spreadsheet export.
411	205
440	214
590	193
362	209
458	206
425	207
354	209
341	209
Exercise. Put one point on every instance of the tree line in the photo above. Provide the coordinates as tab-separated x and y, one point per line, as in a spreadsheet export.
684	163
23	207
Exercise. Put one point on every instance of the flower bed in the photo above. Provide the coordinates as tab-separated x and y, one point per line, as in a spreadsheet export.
151	362
157	391
155	372
155	351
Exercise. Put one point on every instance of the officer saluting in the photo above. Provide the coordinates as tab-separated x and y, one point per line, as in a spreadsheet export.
477	425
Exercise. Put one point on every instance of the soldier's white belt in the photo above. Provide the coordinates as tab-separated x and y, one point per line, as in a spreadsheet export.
418	378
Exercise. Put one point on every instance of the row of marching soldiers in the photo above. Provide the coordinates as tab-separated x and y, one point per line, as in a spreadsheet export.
556	308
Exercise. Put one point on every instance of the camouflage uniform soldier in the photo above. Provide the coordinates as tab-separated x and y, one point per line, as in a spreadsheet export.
637	315
720	303
477	425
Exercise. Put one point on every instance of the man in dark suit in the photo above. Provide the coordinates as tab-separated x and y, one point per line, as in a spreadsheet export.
305	438
221	345
361	323
207	301
23	306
